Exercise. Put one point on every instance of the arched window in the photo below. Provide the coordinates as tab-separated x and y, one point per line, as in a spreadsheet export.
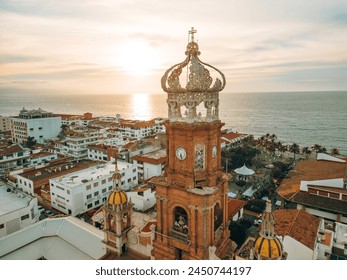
199	160
218	216
180	220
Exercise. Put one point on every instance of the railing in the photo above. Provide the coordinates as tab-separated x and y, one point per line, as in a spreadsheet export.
183	237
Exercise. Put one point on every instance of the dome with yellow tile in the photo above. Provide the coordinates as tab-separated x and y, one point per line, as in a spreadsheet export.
269	249
267	246
117	197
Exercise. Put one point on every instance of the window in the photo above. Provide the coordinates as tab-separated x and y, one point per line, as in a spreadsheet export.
199	162
24	217
134	170
89	196
109	179
103	181
68	191
60	188
103	190
129	180
110	188
96	202
96	184
2	226
96	193
90	205
88	187
134	178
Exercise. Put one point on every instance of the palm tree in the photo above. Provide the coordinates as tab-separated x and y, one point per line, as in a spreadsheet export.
273	137
335	152
294	148
316	147
306	151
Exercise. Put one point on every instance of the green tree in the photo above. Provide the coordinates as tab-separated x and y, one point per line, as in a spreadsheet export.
334	152
31	142
294	148
306	151
237	232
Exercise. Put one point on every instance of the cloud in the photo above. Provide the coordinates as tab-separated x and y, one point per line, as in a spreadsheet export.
78	43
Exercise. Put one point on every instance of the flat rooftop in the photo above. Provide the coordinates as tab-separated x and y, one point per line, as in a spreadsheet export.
65	238
10	201
90	174
155	157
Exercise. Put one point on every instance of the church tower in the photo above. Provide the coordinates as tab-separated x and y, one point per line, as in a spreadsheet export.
117	212
192	203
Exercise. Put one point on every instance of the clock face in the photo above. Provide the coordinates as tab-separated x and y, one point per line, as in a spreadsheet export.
214	151
181	153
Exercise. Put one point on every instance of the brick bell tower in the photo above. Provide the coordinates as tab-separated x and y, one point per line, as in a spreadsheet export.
192	203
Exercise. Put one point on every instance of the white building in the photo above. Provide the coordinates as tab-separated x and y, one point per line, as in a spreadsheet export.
39	124
41	158
97	152
140	129
13	157
150	164
17	210
5	123
143	198
84	190
77	146
36	180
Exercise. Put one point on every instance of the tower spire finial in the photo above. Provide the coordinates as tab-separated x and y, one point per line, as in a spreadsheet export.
192	31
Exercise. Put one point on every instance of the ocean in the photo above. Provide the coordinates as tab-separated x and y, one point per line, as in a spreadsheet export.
305	118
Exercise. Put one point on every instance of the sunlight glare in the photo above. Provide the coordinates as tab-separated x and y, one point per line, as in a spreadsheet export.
140	106
138	58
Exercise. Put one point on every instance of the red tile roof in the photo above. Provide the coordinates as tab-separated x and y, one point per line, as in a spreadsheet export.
309	170
11	149
297	224
234	206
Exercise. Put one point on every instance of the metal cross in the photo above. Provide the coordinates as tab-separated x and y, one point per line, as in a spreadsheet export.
191	32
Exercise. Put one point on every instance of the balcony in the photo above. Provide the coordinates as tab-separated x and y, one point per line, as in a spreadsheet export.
180	236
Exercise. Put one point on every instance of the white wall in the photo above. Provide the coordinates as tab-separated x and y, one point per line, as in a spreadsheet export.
296	250
142	203
14	221
50	128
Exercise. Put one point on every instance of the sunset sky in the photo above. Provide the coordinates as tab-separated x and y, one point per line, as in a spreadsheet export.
124	46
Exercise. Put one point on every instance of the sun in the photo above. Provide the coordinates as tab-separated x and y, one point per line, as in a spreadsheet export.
137	58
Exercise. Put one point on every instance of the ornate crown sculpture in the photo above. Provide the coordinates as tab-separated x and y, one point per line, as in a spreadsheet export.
198	87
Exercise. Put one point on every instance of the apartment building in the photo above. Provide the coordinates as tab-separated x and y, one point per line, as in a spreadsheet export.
38	124
78	192
12	157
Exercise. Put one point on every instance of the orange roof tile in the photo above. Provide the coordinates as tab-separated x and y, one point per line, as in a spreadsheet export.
297	224
10	150
41	154
235	205
309	170
232	135
146	228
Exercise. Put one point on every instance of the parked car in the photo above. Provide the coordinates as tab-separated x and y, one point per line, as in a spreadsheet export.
49	213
